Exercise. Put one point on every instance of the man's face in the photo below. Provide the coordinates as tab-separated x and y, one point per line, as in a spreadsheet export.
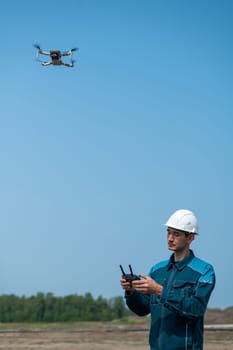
178	240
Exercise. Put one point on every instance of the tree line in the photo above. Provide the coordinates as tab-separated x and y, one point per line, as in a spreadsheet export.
49	308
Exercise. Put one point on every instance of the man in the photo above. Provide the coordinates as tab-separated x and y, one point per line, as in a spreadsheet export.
176	292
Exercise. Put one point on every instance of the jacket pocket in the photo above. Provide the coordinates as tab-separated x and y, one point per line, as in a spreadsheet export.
185	288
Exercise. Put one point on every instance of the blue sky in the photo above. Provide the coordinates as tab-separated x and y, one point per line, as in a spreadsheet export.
94	159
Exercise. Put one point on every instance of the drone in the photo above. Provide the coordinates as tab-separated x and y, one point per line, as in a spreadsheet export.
55	56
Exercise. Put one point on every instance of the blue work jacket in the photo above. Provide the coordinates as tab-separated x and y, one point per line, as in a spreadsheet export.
177	315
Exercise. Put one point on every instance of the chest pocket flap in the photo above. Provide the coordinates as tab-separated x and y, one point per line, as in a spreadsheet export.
187	287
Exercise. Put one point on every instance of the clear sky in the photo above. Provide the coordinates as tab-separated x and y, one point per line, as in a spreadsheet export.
95	158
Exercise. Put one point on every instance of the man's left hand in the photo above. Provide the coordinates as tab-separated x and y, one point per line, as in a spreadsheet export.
147	285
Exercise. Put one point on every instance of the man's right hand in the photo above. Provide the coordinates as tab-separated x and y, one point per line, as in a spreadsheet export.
127	286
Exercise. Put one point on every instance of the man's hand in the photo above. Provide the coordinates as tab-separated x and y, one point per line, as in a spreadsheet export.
147	285
127	286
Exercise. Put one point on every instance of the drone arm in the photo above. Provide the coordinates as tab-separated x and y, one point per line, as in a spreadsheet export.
46	63
68	64
70	52
66	53
44	52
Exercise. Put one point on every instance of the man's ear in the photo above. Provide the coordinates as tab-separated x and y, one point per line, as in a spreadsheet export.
191	237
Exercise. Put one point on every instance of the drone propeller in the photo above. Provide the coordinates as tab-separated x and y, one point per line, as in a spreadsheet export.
37	46
74	49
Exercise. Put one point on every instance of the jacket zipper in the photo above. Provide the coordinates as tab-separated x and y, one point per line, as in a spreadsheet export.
186	336
171	277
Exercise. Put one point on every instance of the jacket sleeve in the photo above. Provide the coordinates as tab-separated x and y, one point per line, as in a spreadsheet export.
138	302
190	302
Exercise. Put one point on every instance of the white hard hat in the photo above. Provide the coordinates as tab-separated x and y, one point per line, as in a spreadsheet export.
184	220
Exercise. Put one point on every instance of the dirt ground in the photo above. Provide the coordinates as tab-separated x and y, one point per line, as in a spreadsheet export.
97	340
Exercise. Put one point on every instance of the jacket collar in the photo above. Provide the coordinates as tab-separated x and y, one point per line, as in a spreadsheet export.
180	265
